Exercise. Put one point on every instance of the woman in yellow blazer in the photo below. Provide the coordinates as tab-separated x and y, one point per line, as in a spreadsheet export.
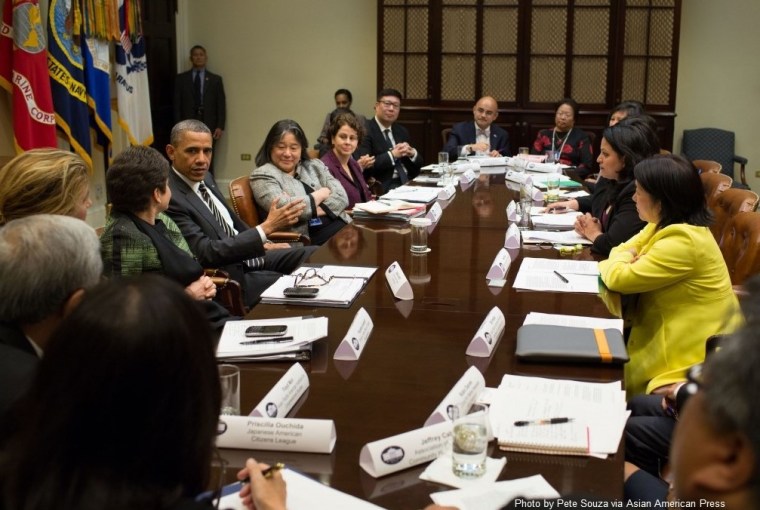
675	267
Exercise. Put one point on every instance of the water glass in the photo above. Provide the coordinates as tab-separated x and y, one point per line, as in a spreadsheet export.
419	234
229	378
470	443
523	213
549	156
552	188
524	151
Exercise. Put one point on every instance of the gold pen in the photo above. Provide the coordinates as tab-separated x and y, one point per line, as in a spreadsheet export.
267	473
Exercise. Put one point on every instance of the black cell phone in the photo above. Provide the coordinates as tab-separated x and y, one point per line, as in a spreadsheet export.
301	292
268	330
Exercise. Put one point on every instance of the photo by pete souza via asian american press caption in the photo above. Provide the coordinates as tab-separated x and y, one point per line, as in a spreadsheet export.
579	502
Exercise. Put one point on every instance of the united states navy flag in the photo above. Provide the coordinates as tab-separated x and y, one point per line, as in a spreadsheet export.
97	76
67	78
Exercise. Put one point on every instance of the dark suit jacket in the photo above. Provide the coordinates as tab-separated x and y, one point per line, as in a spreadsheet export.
18	364
463	133
203	233
214	101
374	144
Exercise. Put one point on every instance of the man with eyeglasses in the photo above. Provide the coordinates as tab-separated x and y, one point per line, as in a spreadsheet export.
481	136
396	161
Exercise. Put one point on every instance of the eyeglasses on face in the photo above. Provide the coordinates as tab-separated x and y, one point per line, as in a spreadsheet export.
391	105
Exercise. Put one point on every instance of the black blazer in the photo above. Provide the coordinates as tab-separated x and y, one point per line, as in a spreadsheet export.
214	101
18	364
203	233
375	144
463	133
623	221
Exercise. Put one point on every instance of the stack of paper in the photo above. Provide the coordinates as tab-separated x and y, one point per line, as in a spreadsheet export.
558	275
554	237
337	286
419	194
554	221
591	416
388	210
234	345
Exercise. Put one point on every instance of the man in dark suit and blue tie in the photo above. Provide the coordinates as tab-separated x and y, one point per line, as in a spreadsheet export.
480	136
216	235
199	94
396	161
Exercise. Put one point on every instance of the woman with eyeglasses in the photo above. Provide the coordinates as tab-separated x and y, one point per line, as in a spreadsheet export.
124	409
676	272
284	168
566	143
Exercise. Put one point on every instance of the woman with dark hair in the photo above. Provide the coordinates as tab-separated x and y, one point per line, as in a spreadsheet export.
285	168
676	270
610	213
568	144
345	135
124	409
139	238
626	109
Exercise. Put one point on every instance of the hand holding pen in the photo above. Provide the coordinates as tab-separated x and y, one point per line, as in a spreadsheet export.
266	490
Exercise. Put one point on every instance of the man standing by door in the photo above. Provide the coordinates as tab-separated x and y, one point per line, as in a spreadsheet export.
199	94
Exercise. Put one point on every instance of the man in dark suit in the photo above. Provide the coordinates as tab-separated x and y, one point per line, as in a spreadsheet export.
481	136
216	235
396	161
199	94
46	263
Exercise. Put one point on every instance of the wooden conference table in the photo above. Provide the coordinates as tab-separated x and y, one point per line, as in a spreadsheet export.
416	351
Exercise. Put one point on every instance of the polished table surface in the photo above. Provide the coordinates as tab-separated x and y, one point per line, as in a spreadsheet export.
416	351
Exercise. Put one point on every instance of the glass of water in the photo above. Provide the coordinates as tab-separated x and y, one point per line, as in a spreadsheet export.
470	443
229	378
443	164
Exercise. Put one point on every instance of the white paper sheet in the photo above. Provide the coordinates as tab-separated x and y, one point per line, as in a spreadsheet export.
494	496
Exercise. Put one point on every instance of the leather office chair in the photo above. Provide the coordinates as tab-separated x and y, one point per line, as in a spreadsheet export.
705	165
714	185
741	246
244	206
716	145
445	136
728	204
228	292
313	153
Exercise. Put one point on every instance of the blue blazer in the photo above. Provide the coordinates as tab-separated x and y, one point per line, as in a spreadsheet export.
463	133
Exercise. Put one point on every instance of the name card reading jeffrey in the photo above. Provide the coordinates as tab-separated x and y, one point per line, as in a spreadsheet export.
385	456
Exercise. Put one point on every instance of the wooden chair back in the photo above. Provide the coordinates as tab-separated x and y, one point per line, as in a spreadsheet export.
728	204
706	165
445	136
741	246
714	184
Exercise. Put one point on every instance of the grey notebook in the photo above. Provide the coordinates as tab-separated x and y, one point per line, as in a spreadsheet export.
565	344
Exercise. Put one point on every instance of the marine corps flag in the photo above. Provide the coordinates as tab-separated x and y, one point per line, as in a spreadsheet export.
132	82
65	65
24	74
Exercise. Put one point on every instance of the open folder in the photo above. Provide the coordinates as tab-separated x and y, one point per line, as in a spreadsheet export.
235	346
337	286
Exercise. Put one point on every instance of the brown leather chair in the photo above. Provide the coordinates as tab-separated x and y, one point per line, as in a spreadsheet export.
244	206
313	153
728	204
714	184
228	292
445	136
741	246
706	165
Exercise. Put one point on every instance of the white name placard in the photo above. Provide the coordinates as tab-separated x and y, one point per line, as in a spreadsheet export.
403	451
515	176
464	167
536	194
467	177
398	283
512	211
461	397
512	238
447	192
548	168
352	345
434	214
488	335
499	266
284	394
285	434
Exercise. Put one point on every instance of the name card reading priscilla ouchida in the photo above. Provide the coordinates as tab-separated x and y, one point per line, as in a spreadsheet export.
488	335
386	456
398	283
283	434
461	397
352	345
284	394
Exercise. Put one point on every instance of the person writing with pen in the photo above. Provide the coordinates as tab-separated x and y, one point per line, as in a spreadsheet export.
610	213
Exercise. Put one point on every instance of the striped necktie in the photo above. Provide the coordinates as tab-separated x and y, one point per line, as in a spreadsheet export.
402	175
254	263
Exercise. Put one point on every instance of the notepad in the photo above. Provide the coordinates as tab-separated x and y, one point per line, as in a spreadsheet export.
560	439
